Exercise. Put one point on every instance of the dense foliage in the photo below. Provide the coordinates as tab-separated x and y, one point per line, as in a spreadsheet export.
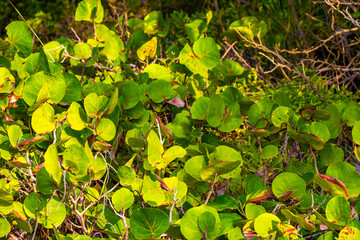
225	124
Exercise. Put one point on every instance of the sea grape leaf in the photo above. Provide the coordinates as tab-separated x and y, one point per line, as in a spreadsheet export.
148	223
73	88
227	70
265	223
249	27
5	227
281	116
37	62
42	120
350	233
14	133
200	108
260	113
288	185
99	167
34	204
152	193
51	163
82	50
76	117
318	129
6	199
189	225
76	160
351	115
347	174
355	132
160	90
338	210
20	37
55	84
155	148
126	175
170	155
269	151
232	118
331	185
53	214
129	95
252	210
45	183
312	140
7	81
194	165
315	114
223	202
299	219
95	105
122	199
194	29
89	10
207	222
106	129
332	226
148	49
202	57
216	111
331	154
157	71
334	123
91	194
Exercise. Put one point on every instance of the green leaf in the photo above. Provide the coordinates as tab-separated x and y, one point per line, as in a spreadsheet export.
331	185
202	57
76	117
148	49
14	133
332	226
194	29
76	160
194	165
45	183
249	27
170	155
106	129
99	167
55	84
73	88
269	151
351	115
122	199
20	37
265	224
51	163
232	118
151	190
189	225
160	90
148	223
34	204
7	81
208	172
299	219
252	210
313	141
315	114
91	194
6	199
207	222
318	129
331	154
260	113
37	62
222	202
355	132
157	71
89	10
42	120
82	51
338	210
126	175
5	227
200	108
227	70
281	116
288	185
54	213
95	105
129	95
155	148
216	111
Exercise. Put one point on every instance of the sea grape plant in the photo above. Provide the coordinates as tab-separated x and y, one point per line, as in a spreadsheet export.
92	145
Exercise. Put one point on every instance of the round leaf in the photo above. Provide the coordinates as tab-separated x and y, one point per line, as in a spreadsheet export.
265	223
122	199
42	120
288	185
20	37
338	210
148	223
106	129
5	227
160	90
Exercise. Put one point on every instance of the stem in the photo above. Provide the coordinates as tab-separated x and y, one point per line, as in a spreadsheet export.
211	190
